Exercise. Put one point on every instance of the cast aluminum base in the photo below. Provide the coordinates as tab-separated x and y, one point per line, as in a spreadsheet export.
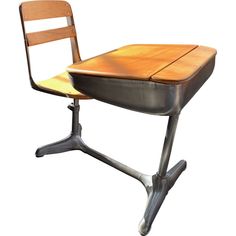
157	186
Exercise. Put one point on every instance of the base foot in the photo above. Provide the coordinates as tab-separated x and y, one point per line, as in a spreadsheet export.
72	142
159	190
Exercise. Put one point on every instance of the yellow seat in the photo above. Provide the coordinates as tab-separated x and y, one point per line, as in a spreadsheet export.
39	10
61	84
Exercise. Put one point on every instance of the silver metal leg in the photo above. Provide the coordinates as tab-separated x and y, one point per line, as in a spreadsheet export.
157	186
157	193
167	147
72	142
162	181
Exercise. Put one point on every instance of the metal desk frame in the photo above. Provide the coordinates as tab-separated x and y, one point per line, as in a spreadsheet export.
157	185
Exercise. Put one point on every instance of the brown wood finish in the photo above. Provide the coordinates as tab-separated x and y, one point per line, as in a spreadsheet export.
158	63
50	35
37	10
132	61
61	84
186	66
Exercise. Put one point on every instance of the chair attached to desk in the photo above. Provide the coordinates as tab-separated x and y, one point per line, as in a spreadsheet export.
153	79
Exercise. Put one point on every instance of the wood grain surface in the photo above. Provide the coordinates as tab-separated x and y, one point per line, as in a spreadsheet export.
61	83
147	62
37	10
45	36
186	66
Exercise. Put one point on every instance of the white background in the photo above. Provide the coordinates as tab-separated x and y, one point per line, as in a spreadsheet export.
72	194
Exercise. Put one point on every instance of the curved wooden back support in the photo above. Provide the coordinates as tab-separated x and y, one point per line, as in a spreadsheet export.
39	10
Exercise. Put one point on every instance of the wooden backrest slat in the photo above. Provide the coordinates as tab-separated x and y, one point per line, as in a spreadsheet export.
37	10
50	35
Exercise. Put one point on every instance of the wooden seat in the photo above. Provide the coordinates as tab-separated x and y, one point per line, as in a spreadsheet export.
38	10
61	84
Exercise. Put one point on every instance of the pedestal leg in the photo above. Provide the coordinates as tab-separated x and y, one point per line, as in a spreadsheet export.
160	188
163	181
72	142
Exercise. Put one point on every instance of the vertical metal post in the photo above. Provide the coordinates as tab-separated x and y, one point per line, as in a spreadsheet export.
74	43
167	147
75	117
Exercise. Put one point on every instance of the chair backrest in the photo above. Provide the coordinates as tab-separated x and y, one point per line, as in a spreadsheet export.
38	10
